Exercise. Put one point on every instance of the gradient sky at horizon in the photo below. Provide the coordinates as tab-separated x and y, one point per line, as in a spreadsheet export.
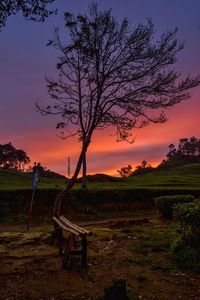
25	60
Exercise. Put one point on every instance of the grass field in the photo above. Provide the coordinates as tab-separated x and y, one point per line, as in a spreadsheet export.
179	177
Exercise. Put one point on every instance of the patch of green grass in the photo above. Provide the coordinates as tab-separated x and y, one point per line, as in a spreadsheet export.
140	260
139	247
161	265
160	241
127	230
154	241
151	246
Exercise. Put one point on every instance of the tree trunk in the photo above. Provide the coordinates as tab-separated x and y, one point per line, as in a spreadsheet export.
70	184
84	166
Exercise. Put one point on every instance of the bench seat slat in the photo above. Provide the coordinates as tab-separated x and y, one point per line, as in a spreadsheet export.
65	227
74	226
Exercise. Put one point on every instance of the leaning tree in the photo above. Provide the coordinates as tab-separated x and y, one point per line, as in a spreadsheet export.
36	10
111	74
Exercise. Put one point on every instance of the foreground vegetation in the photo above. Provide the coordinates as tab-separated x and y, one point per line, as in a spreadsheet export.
137	253
158	258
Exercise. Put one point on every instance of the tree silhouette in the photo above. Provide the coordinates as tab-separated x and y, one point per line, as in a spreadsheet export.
188	151
13	158
36	10
111	74
144	167
172	152
125	171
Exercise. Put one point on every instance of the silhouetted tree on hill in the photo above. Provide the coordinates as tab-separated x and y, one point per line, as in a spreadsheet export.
125	171
12	158
111	74
172	152
145	167
36	10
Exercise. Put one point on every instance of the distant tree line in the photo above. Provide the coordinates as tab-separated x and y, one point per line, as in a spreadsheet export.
188	151
125	171
12	158
16	159
144	167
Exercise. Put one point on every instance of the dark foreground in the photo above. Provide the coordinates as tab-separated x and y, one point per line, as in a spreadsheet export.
135	252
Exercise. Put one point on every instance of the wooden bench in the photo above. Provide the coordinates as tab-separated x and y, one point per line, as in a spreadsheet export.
70	249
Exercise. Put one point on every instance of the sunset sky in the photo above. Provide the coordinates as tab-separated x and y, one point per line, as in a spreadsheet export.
25	60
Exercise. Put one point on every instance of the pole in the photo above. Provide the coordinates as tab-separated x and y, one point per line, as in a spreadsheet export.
30	210
68	167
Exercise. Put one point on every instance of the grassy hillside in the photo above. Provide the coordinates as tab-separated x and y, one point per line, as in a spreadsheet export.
179	177
183	176
11	180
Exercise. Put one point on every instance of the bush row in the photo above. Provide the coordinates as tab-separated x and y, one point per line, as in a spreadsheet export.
185	250
166	203
79	202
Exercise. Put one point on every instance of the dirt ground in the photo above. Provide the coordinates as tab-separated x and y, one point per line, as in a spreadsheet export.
137	252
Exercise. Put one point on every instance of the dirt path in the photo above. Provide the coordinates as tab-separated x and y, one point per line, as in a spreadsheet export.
113	222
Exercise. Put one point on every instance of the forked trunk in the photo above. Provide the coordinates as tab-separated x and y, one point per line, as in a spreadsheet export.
71	182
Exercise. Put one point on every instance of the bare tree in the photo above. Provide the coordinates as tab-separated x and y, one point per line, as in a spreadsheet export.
111	74
36	10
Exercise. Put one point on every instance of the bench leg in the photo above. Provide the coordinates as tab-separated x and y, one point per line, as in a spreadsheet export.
70	250
60	240
84	251
57	236
70	244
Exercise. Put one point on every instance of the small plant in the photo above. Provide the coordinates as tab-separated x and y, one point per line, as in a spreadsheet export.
160	241
140	260
165	204
139	247
126	230
141	277
130	294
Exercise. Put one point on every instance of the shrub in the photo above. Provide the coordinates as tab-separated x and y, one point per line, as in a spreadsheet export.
186	253
189	216
185	250
165	204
